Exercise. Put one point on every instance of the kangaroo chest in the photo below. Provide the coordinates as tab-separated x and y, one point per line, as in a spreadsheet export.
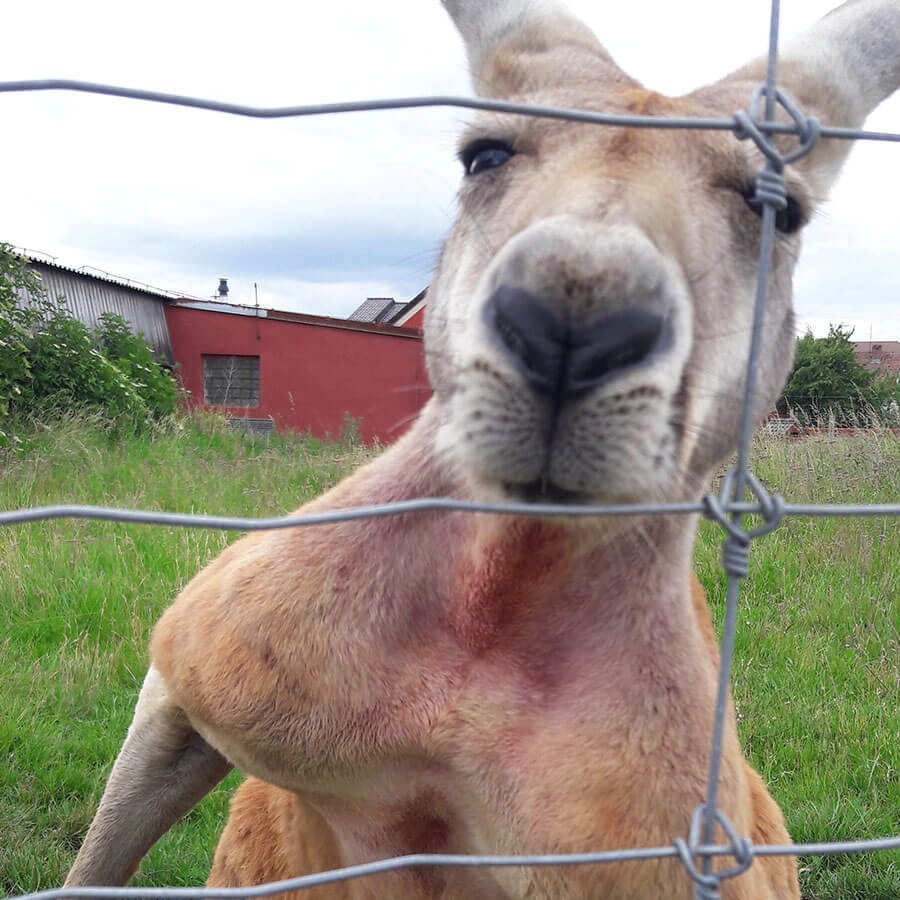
512	708
522	741
510	768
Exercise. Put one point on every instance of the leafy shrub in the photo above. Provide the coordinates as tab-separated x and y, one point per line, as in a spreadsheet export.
17	324
50	361
67	369
131	353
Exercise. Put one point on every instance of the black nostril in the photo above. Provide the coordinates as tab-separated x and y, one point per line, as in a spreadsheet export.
532	333
611	344
565	360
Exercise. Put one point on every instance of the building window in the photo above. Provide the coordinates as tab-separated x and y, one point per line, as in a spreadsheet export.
231	380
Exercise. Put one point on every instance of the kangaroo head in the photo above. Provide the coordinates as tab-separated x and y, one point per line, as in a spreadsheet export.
588	324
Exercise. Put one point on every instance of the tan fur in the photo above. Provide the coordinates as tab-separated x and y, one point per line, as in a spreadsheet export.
485	684
274	834
501	698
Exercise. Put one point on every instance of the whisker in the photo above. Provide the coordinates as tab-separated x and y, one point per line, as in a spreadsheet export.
403	421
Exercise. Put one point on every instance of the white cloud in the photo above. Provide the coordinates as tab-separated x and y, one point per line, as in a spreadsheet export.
180	197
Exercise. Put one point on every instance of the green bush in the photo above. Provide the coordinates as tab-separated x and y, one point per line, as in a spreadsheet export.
67	369
131	353
49	361
16	325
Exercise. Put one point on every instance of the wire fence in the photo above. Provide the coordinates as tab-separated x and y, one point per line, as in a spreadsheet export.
729	508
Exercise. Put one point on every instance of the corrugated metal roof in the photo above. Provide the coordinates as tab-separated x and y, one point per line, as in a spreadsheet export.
88	296
102	275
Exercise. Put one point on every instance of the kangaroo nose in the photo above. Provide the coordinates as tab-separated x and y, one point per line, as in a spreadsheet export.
533	334
611	344
565	359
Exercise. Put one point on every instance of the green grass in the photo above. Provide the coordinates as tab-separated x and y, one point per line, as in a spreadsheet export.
817	657
816	679
78	600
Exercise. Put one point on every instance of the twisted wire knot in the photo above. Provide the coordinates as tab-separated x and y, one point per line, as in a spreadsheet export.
709	884
746	127
736	547
736	557
770	186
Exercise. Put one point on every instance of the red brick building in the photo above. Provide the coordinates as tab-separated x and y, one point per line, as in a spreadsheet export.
881	356
308	373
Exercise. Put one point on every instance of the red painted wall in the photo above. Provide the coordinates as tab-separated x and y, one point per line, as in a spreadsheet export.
312	371
417	320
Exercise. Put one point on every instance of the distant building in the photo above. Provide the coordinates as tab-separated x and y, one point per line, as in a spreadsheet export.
388	311
879	355
267	368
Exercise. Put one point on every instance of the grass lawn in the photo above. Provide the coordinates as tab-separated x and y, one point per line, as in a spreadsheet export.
817	668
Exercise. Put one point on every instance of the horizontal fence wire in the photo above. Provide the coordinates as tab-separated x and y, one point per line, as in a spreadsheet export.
728	509
426	860
423	505
438	100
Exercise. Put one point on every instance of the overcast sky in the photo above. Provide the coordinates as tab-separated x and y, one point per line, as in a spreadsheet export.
323	212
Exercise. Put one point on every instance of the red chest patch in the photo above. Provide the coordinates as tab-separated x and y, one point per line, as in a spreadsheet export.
505	580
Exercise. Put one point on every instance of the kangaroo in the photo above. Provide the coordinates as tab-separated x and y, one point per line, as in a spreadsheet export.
498	685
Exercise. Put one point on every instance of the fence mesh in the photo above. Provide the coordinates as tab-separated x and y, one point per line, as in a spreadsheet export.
729	508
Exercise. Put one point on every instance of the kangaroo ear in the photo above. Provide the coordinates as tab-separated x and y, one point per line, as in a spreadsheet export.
839	71
511	44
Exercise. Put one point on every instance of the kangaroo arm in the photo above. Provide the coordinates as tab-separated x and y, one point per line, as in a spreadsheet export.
163	770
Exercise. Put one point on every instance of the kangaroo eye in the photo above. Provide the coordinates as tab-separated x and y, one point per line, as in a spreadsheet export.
788	220
480	156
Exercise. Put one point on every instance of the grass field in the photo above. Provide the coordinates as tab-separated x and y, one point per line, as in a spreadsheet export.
817	670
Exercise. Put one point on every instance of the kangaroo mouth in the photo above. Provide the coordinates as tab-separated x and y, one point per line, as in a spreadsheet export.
542	490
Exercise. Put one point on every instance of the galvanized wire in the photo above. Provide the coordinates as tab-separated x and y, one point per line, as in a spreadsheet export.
728	509
424	860
422	505
736	548
438	100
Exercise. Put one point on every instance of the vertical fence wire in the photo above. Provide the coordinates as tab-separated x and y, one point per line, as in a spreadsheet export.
709	888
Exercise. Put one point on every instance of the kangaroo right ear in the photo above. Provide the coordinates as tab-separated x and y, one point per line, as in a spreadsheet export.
508	40
838	70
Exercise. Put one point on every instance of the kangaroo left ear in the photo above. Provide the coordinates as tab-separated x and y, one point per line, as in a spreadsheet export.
508	43
838	71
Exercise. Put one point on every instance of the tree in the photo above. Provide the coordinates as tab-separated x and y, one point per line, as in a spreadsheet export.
829	383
